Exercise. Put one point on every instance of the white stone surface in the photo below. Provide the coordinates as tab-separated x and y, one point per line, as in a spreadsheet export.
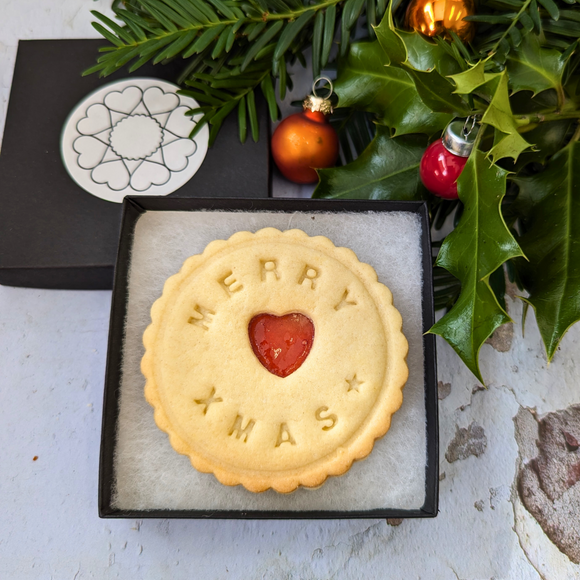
52	357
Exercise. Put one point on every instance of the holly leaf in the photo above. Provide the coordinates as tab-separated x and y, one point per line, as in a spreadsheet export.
548	139
437	93
387	169
421	59
413	49
507	142
551	205
468	81
479	245
425	55
391	41
533	68
523	103
507	145
365	83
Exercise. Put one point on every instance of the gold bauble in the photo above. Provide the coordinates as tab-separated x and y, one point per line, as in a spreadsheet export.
434	17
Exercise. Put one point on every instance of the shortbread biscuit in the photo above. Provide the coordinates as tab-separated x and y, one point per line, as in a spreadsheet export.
274	360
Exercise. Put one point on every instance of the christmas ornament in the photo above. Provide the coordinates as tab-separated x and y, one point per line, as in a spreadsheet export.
434	17
305	141
444	159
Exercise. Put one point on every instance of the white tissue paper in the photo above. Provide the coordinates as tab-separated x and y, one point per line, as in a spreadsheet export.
149	474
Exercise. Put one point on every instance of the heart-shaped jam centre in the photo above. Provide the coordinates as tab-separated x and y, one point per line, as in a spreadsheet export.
281	343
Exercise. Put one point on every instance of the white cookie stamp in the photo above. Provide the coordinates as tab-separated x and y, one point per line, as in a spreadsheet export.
131	137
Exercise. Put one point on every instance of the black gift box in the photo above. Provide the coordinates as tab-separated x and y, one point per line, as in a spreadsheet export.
134	207
53	234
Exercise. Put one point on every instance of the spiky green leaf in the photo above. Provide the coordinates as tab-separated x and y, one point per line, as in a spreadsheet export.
364	82
479	245
387	169
508	142
552	244
533	68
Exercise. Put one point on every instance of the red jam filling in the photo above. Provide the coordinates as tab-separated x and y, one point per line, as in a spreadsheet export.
281	343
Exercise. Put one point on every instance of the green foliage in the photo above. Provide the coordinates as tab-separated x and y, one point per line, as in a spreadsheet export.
550	212
503	25
414	51
232	48
520	78
366	83
355	132
507	140
533	68
387	169
479	245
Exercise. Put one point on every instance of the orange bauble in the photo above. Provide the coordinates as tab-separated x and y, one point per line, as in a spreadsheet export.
434	17
302	142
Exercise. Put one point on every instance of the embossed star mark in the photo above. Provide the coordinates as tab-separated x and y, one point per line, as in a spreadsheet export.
354	383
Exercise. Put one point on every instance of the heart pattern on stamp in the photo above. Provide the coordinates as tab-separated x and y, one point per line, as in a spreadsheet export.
91	151
124	101
157	101
281	343
149	174
178	152
113	173
97	119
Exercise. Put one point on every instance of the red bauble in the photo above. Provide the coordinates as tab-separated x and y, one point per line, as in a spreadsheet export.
302	142
444	160
440	169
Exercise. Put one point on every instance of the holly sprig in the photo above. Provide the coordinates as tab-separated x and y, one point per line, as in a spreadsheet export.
519	194
231	49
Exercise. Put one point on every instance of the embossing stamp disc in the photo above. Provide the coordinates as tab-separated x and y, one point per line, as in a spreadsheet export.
131	137
218	402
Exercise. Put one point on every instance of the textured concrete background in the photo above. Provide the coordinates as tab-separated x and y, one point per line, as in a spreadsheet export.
510	458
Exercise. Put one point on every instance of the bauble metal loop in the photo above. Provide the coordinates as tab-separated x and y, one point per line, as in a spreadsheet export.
330	86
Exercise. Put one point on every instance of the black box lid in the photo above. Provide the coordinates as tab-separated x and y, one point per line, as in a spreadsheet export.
53	234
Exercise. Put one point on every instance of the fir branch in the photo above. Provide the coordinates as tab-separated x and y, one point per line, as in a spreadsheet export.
222	40
504	24
513	23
